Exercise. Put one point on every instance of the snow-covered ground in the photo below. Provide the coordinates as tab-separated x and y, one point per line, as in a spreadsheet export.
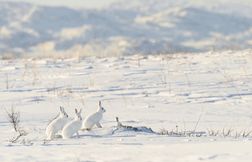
179	92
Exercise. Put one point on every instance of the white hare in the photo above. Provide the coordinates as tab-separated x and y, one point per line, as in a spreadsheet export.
94	119
57	124
73	127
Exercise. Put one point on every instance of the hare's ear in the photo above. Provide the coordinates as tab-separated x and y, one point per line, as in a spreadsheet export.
99	103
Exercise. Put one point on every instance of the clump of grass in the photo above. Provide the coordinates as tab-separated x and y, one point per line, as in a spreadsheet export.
229	133
14	119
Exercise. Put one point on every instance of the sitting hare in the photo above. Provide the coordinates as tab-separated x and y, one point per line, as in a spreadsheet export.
57	124
73	127
94	119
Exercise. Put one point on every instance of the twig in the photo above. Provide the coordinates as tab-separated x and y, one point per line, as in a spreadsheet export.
196	125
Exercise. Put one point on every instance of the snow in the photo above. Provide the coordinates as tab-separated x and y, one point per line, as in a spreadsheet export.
171	92
123	151
71	33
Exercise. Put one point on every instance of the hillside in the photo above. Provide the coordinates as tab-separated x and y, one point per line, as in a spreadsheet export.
146	27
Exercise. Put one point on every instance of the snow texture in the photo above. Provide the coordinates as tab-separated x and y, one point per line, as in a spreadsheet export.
179	93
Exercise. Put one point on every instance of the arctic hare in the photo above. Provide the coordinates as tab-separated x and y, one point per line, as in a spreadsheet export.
94	119
57	124
72	127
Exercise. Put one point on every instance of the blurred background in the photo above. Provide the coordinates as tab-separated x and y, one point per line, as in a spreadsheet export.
69	28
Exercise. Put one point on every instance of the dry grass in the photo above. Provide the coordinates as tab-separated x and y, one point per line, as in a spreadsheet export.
14	119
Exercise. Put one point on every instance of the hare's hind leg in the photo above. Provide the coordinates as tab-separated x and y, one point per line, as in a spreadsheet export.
98	125
77	134
50	136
